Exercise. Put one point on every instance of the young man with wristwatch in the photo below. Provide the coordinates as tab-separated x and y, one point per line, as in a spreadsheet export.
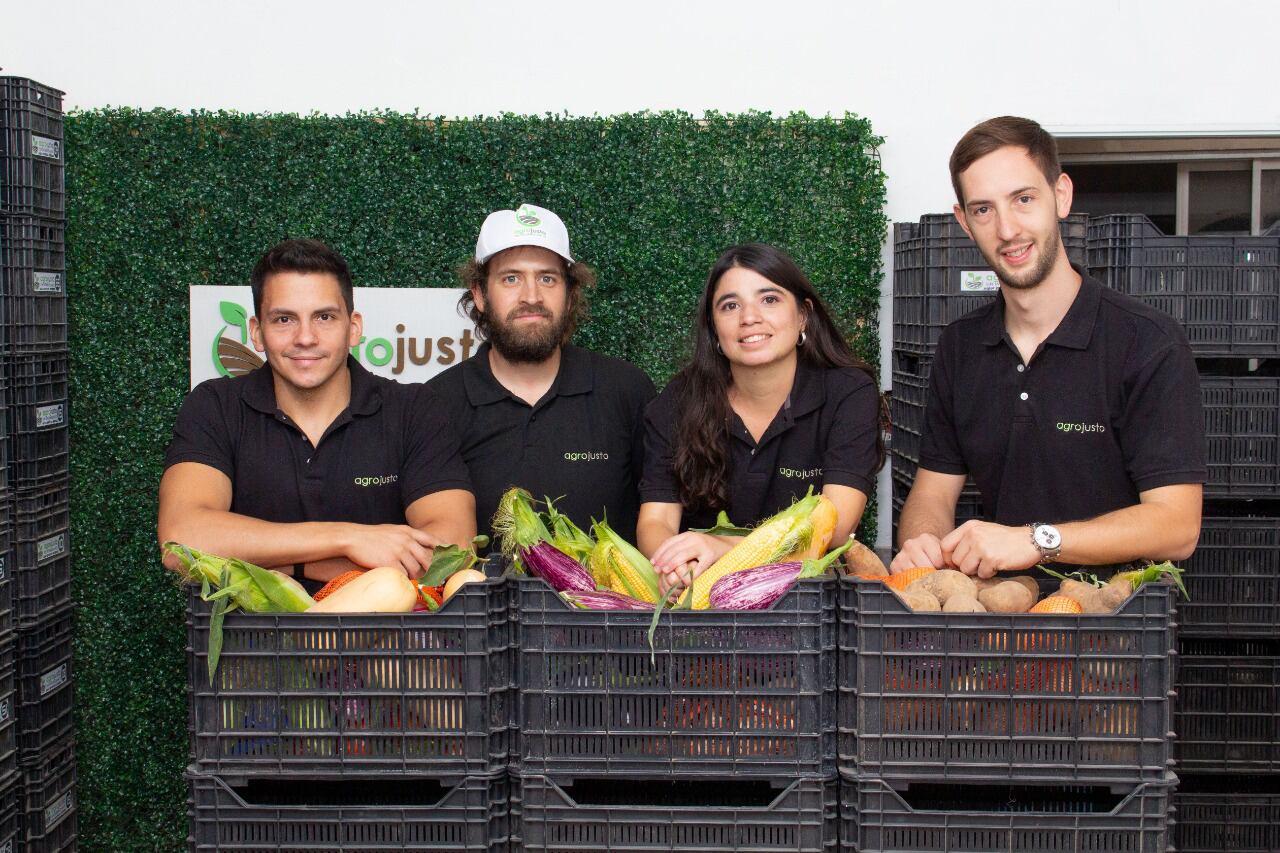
1076	408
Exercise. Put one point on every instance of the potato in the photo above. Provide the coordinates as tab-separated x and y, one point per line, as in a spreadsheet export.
1007	597
919	600
1088	596
1115	594
963	603
945	583
861	560
1029	582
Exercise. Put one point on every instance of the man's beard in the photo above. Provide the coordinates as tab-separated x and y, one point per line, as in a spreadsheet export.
530	345
1035	276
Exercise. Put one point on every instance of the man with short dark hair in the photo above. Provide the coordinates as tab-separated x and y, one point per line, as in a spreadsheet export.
310	463
1076	408
531	409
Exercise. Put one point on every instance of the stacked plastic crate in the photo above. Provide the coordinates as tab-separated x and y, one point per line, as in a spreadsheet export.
352	733
1226	292
35	533
720	736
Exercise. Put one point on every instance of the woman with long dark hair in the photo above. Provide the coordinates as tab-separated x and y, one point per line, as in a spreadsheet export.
773	401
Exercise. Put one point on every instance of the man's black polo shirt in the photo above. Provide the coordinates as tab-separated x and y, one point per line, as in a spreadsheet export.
825	433
1108	407
582	442
391	446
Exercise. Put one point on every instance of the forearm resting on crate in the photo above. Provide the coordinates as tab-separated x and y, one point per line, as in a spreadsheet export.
928	515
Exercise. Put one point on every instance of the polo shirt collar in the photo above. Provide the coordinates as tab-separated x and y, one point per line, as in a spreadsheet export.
574	377
808	390
260	390
1074	331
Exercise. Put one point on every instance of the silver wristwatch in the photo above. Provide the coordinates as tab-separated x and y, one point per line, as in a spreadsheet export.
1047	539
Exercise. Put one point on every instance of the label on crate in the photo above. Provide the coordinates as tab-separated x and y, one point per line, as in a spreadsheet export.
6	710
978	281
43	146
54	546
47	282
60	809
7	847
51	415
53	679
4	568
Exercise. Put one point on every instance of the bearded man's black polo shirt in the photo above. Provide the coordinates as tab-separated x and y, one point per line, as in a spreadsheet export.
391	446
583	442
825	432
1108	406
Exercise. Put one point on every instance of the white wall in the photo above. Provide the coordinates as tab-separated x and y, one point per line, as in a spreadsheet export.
921	71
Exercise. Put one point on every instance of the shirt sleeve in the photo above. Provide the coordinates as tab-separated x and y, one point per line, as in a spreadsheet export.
852	454
433	458
939	444
1162	429
658	484
201	433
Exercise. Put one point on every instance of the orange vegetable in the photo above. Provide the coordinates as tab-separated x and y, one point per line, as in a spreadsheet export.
336	584
1057	604
906	577
435	593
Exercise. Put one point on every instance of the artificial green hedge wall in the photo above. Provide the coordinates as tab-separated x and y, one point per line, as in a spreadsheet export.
158	201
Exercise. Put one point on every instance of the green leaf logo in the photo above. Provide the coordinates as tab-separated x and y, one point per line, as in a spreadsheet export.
232	358
526	217
234	315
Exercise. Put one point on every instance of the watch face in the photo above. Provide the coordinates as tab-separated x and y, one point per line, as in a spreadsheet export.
1047	537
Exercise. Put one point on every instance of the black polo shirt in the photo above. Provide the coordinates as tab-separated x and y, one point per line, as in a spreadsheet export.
391	446
1109	406
582	442
825	432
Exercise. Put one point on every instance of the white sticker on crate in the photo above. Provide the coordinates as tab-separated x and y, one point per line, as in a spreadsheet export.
6	710
47	282
978	281
4	569
53	679
51	415
60	809
43	146
7	847
54	546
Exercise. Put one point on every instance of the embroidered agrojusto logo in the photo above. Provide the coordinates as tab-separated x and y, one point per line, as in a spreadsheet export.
585	456
1080	427
384	480
800	473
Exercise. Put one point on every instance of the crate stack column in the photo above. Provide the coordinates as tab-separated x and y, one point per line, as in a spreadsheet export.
36	530
1225	290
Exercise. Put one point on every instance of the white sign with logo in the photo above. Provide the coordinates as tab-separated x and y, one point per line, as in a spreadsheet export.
410	333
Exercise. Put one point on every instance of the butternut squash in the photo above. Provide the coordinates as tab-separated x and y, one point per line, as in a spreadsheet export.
386	589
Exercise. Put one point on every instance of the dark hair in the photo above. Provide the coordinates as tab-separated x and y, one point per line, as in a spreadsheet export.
302	255
578	278
996	133
702	386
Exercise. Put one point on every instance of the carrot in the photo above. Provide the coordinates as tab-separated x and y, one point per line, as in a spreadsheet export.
1057	604
432	596
336	584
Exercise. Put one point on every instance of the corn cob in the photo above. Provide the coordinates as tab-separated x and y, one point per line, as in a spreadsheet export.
758	588
622	566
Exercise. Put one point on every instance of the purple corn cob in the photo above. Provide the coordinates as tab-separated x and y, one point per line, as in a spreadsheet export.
556	568
754	589
603	599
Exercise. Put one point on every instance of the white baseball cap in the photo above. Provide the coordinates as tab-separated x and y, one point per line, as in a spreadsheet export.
527	225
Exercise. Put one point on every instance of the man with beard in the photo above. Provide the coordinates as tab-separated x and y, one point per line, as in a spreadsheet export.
1076	408
531	409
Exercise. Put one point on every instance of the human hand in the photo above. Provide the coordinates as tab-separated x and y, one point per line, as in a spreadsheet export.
374	545
684	556
983	548
922	550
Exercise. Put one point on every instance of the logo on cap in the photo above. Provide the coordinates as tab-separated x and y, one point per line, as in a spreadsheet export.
526	217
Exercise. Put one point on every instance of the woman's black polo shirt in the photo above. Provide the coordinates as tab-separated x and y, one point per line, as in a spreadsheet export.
391	446
1108	407
825	433
582	442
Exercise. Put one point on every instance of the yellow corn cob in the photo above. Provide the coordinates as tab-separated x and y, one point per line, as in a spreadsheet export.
824	519
776	540
598	563
624	568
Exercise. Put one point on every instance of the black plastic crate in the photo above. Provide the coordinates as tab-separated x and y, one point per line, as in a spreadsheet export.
875	818
10	815
41	565
39	419
973	697
1241	816
1228	712
666	815
1242	427
351	814
939	276
968	506
721	694
7	581
308	693
45	690
33	282
1233	578
8	710
49	799
32	174
1223	289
